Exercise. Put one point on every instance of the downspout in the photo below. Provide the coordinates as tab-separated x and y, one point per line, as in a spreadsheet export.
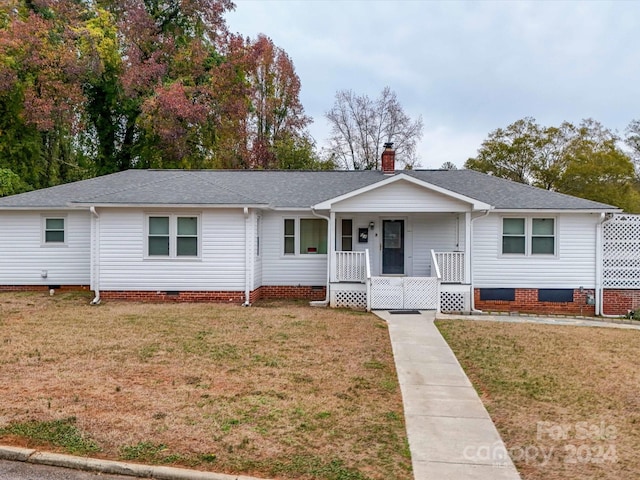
473	307
247	260
95	257
325	302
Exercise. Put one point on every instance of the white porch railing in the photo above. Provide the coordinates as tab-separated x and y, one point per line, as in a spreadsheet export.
449	265
350	267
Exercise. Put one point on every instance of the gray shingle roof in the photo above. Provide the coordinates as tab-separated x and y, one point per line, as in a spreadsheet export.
280	189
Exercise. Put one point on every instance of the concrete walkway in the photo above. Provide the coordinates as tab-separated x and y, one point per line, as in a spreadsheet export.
450	432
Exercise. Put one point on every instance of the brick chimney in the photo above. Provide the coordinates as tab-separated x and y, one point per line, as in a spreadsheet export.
388	159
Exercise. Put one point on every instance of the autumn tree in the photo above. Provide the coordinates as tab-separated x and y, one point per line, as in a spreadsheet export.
584	160
93	87
361	126
41	96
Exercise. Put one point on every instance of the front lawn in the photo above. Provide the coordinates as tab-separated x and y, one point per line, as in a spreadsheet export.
277	390
566	400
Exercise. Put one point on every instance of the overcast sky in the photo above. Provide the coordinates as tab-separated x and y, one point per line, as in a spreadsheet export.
466	67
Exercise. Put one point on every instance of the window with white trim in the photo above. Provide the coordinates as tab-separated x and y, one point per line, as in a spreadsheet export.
543	239
173	236
304	236
513	235
528	236
347	235
54	231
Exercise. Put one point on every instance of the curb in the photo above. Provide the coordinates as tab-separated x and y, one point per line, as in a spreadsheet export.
111	467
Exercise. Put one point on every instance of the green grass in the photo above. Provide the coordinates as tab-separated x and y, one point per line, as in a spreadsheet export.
60	433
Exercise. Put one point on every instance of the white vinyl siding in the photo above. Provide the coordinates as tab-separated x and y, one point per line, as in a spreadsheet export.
25	255
572	266
124	265
281	269
442	232
257	262
401	196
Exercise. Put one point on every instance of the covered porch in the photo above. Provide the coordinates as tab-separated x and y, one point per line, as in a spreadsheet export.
411	261
401	243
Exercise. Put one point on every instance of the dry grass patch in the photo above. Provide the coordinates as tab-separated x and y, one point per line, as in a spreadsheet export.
565	399
277	390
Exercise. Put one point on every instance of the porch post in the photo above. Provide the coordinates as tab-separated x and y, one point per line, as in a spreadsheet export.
332	246
467	248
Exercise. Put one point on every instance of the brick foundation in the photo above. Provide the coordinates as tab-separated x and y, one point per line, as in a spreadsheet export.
619	302
290	292
164	296
266	292
43	288
526	301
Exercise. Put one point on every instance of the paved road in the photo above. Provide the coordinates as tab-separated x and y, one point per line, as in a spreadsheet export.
28	471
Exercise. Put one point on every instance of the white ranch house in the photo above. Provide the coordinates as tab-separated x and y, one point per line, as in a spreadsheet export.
433	239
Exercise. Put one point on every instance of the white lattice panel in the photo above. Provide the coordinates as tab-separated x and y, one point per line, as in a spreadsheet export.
349	299
621	252
386	293
419	293
452	302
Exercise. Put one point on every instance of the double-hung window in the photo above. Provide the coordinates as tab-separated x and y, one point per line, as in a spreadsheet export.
54	230
303	236
173	236
513	235
543	240
347	235
528	236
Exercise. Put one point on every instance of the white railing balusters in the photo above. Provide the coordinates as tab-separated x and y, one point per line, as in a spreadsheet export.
450	265
350	267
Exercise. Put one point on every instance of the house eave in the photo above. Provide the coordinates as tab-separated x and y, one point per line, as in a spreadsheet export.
169	205
557	210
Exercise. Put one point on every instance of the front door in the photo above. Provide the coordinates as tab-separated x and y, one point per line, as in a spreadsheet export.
393	247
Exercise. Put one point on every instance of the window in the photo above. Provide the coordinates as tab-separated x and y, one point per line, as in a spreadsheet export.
159	236
528	236
187	240
172	236
542	236
513	239
54	231
289	236
347	235
311	234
